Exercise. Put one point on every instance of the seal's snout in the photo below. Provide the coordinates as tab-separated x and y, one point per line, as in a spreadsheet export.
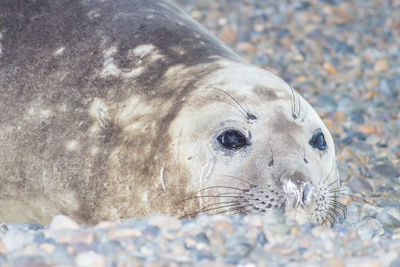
308	190
298	192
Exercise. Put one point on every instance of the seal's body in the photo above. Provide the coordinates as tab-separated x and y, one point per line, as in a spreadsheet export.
114	109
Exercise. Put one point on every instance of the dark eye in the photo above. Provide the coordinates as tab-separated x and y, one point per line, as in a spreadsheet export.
232	139
318	140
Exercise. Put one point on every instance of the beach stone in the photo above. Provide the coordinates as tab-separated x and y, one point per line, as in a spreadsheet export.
237	248
202	238
89	259
353	213
334	262
307	227
3	228
381	65
3	259
223	225
123	232
62	222
363	262
273	216
27	261
394	211
261	238
362	148
388	221
350	105
359	184
3	249
327	102
108	225
384	171
395	262
24	226
108	247
49	248
15	240
357	117
369	228
393	204
61	256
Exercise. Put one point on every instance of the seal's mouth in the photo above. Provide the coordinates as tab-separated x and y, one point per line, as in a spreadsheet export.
299	194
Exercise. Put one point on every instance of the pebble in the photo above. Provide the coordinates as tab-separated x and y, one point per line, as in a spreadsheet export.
89	259
62	222
388	221
359	184
362	262
17	239
384	171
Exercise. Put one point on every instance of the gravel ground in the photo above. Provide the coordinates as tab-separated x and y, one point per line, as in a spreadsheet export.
344	58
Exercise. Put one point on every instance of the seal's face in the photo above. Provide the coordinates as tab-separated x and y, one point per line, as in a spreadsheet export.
251	143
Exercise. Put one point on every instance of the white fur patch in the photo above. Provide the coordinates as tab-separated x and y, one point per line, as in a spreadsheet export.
94	14
72	145
110	68
59	51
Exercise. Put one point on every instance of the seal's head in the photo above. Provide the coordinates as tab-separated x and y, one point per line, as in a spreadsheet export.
251	143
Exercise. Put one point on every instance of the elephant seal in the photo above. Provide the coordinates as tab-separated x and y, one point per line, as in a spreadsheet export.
114	109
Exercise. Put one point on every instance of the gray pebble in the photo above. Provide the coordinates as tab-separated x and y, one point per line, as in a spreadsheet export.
25	261
384	171
61	256
359	184
388	220
237	248
369	228
261	239
389	204
17	239
395	263
108	247
3	228
357	117
202	237
327	102
362	148
350	105
353	214
24	226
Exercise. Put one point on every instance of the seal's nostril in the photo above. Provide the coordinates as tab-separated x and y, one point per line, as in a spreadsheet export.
306	193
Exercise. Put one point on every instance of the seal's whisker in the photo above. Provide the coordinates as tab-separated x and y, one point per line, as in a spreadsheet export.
224	202
335	181
232	195
337	213
238	208
293	102
247	113
221	186
329	174
338	190
338	205
226	206
237	178
328	216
